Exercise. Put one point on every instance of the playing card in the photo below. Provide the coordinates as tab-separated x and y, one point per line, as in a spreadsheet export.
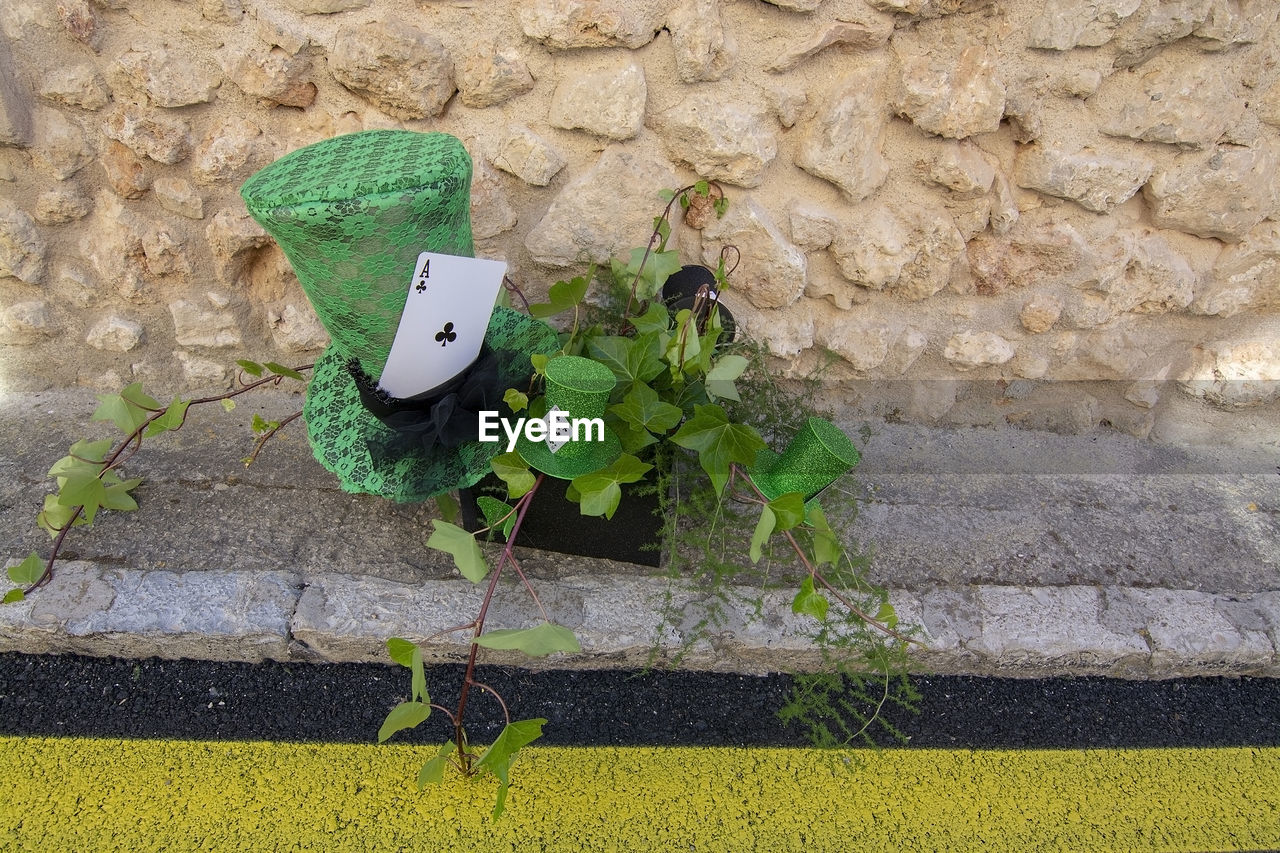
442	328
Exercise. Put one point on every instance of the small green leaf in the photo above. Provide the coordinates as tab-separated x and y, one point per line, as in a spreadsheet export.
685	347
418	678
122	410
13	595
228	405
719	442
539	361
514	471
827	549
250	367
28	571
497	759
54	517
655	319
83	491
887	615
401	651
599	492
432	772
461	545
173	417
496	511
719	379
722	206
281	370
406	715
643	409
563	296
515	400
666	194
764	529
789	508
447	505
630	359
90	451
134	395
535	642
117	496
810	602
259	426
702	188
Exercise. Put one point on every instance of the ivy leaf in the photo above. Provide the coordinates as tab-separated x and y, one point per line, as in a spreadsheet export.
54	517
418	678
406	715
83	491
128	410
495	510
497	759
514	471
810	602
448	507
684	347
537	642
461	545
719	379
539	361
657	268
641	408
281	370
600	493
562	296
630	359
515	400
702	188
401	651
12	596
887	615
76	464
655	319
764	529
28	571
432	773
116	496
172	418
250	367
719	442
826	545
228	405
789	508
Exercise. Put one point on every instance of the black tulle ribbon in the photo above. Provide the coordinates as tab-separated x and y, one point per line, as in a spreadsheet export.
447	416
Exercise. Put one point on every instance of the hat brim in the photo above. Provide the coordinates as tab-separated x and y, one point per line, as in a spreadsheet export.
762	476
340	427
596	455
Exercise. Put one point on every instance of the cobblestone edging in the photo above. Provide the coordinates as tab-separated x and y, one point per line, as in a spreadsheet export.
1127	632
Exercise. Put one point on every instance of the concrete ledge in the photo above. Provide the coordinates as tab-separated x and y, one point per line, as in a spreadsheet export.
978	630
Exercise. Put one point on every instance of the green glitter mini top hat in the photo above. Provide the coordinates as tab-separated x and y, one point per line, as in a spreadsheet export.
580	388
352	214
818	455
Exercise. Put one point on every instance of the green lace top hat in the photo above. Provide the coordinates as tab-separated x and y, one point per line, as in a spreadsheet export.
352	215
578	387
818	455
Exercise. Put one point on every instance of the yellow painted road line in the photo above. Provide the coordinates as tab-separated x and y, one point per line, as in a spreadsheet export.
85	794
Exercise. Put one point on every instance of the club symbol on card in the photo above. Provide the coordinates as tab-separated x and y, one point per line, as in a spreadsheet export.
446	335
422	287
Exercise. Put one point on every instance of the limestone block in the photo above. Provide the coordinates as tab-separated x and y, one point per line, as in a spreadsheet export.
963	168
163	253
719	139
787	102
169	78
490	73
568	24
796	5
74	86
163	138
1245	277
1234	374
1064	24
843	143
125	172
232	238
1078	82
529	157
1039	313
812	227
1004	208
1154	279
324	7
869	34
771	273
912	251
398	68
60	206
228	153
276	76
1095	181
78	19
61	147
969	349
222	11
1158	25
297	329
27	321
952	97
863	344
22	249
608	208
1232	22
704	49
15	103
200	371
194	326
1030	254
932	8
608	103
785	332
1222	194
115	334
1180	104
491	210
178	196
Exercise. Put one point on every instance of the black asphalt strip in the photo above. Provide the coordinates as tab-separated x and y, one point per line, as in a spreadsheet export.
105	697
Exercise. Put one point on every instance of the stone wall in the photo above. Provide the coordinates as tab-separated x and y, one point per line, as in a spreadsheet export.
1049	214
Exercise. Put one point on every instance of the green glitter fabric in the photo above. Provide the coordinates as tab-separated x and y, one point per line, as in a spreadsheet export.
352	215
818	455
580	387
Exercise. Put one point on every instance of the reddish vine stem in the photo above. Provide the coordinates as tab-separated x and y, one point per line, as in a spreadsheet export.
468	679
267	436
134	440
505	713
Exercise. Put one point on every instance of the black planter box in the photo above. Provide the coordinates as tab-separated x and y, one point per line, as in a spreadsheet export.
633	535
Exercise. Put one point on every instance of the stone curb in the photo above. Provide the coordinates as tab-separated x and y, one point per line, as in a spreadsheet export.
101	610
